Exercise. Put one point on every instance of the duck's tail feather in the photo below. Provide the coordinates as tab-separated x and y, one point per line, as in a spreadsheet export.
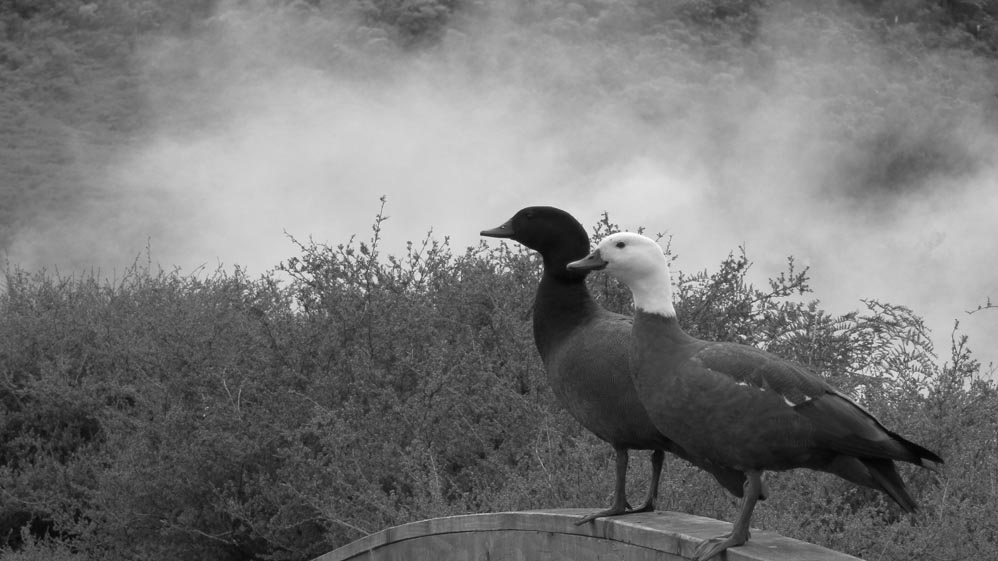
875	473
885	473
917	452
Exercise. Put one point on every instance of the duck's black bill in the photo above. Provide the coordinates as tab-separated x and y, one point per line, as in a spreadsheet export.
504	231
592	262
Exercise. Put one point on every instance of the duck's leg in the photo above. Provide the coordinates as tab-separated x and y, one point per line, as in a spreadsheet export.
740	533
657	461
619	493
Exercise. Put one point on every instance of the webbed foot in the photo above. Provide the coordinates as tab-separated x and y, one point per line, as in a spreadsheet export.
647	507
615	510
714	546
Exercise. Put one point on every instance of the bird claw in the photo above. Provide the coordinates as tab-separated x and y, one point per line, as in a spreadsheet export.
616	511
647	507
612	511
715	546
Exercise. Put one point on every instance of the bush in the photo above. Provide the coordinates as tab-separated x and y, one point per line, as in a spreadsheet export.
31	548
211	415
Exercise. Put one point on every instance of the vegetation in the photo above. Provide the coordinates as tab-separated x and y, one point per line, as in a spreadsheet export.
216	416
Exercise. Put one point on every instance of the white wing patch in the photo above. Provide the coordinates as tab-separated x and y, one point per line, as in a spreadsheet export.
792	404
743	383
785	398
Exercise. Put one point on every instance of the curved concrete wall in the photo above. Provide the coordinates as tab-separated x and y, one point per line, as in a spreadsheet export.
541	535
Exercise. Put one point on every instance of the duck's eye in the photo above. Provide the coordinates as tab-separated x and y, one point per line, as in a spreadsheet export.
620	245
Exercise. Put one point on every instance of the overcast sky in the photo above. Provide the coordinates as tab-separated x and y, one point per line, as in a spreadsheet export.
259	134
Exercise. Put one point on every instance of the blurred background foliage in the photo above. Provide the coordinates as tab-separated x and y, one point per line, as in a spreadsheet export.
81	80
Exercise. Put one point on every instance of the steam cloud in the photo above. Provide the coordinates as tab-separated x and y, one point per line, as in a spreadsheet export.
269	121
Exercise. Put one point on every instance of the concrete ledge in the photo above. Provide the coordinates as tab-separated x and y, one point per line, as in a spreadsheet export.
552	534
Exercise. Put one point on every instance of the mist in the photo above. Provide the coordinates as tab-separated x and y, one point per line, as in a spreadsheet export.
811	140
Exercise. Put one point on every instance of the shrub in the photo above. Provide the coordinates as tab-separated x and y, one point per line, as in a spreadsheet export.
211	415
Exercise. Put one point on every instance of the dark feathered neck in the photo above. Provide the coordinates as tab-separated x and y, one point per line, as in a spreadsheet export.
562	304
660	327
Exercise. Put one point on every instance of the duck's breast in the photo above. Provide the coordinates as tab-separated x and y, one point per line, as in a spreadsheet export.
589	372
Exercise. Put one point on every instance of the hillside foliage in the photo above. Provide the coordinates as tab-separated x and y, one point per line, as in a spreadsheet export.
78	84
216	416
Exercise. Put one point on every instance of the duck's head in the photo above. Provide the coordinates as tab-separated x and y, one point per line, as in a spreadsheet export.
625	255
552	232
638	262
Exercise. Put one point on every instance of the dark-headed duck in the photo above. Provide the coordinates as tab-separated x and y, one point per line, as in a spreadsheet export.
584	349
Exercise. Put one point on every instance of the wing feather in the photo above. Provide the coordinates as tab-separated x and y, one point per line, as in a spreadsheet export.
839	423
